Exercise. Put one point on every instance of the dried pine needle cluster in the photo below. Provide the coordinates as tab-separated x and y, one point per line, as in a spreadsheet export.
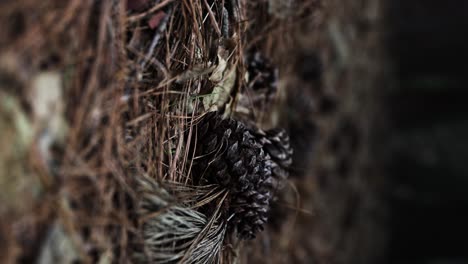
175	231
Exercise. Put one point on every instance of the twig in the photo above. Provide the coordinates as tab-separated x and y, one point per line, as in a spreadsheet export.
157	36
212	18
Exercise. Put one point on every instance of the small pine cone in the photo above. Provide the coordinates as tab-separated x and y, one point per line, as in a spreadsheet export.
276	144
237	158
263	77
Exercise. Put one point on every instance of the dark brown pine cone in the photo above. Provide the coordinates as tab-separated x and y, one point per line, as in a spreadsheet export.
239	159
276	144
263	77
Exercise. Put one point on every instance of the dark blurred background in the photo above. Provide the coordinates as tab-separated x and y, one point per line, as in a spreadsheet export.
426	146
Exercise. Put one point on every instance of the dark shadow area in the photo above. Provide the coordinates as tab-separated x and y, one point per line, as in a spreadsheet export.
427	149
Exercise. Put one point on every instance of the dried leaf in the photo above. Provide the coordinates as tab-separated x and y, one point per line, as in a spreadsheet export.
224	78
195	72
218	73
221	92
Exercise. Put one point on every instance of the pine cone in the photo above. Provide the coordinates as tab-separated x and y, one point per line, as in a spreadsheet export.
263	77
276	144
250	164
